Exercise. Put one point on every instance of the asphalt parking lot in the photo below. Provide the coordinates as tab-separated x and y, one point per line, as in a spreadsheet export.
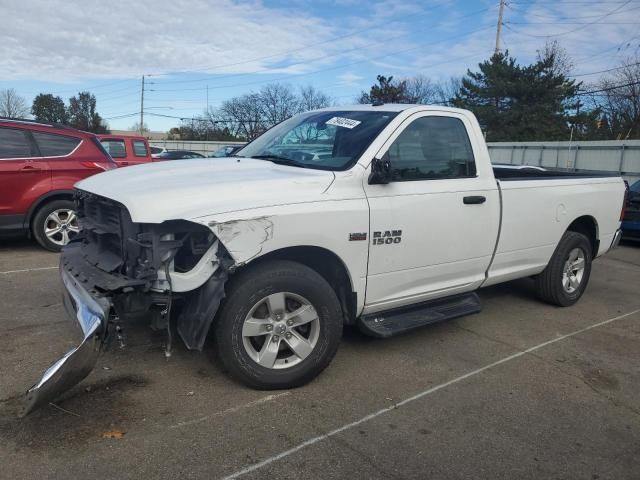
521	390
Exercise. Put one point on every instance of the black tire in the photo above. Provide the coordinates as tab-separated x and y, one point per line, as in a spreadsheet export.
38	222
549	284
246	290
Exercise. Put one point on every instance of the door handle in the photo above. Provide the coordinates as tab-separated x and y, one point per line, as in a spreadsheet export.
124	163
30	168
474	200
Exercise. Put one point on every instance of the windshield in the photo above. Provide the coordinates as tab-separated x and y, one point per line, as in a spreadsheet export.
330	140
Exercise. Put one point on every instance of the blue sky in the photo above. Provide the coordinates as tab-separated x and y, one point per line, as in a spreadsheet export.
64	46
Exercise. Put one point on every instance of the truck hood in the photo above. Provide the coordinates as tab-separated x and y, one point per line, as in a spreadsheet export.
188	189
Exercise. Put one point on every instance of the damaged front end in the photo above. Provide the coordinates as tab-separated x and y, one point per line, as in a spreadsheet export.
117	269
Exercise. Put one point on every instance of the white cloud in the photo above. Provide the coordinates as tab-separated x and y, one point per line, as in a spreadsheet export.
350	79
66	40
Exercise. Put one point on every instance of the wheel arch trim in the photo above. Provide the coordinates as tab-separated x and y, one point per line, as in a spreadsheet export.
42	200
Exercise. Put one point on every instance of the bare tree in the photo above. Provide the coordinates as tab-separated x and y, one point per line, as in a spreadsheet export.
136	128
243	115
619	100
561	62
12	105
446	90
420	89
312	99
278	102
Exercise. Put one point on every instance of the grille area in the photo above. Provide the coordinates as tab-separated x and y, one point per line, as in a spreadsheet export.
103	224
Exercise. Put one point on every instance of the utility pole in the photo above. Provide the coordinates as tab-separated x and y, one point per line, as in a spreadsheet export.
142	107
499	27
206	131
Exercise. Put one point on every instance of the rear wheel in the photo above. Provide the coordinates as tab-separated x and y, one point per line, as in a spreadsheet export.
55	224
566	277
279	327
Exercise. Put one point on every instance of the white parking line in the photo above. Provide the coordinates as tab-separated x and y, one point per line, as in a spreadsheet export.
431	390
268	398
28	270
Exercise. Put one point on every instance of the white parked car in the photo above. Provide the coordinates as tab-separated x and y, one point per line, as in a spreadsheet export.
157	151
389	217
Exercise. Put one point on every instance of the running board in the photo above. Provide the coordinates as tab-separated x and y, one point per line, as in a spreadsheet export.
399	320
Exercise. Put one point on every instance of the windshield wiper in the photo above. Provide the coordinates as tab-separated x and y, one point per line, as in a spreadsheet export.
281	160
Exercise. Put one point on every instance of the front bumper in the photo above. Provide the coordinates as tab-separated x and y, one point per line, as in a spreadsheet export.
92	314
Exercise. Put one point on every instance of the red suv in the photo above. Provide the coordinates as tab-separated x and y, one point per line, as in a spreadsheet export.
39	164
126	149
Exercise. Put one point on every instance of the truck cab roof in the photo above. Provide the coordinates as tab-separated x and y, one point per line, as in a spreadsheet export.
393	107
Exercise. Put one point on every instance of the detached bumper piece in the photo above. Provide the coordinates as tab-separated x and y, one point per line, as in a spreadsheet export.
92	315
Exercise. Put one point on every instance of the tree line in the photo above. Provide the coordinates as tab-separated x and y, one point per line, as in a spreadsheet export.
80	113
535	102
247	116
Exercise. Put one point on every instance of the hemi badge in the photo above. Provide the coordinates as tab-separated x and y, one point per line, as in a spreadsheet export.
357	237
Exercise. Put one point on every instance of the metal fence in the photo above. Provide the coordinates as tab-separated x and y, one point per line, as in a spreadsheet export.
622	157
193	146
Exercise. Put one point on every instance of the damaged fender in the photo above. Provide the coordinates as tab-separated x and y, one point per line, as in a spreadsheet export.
243	239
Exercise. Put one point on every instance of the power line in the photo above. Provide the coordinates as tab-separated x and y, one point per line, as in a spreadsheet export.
208	120
304	47
608	89
619	7
573	2
326	69
605	71
582	17
122	116
324	57
279	54
572	23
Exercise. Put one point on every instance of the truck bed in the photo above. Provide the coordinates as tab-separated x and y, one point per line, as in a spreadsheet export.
527	172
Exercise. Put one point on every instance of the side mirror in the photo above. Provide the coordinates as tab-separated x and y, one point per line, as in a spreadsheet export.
380	171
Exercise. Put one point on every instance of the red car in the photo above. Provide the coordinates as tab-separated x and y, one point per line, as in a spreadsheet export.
39	164
126	150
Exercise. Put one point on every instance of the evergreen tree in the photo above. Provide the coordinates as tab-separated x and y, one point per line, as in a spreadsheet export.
386	91
82	114
521	103
47	108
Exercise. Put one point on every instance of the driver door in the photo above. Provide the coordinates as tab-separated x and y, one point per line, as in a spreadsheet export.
433	228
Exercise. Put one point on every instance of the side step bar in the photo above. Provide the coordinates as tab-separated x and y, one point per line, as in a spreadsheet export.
393	322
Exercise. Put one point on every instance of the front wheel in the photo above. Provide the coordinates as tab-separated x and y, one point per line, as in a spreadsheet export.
280	325
565	278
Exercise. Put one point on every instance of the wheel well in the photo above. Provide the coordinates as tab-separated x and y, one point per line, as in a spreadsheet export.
50	197
587	226
328	265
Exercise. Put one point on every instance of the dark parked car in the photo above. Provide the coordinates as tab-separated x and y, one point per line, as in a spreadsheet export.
179	155
39	163
226	151
631	220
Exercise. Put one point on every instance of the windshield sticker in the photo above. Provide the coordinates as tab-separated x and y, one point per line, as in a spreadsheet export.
343	122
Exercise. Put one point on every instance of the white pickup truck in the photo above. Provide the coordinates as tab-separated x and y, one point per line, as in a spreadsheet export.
389	217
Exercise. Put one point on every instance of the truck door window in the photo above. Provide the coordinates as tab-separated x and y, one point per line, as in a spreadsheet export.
432	148
139	148
115	148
